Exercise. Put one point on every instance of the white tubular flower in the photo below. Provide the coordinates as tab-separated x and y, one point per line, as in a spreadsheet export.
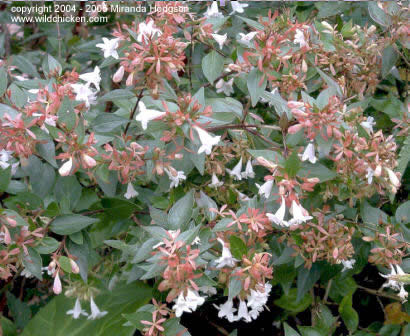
236	171
265	189
225	87
215	183
131	192
213	11
394	281
369	175
368	125
257	299
181	306
65	169
95	311
175	179
220	39
243	313
193	300
109	47
348	264
403	294
147	31
238	7
226	310
246	38
207	141
300	38
84	93
299	214
248	173
309	153
393	284
92	77
77	311
226	259
254	313
5	157
278	217
145	115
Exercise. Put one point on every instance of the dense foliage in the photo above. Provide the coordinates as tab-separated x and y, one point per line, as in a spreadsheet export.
231	168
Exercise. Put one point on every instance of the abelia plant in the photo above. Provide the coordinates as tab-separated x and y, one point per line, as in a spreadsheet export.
243	161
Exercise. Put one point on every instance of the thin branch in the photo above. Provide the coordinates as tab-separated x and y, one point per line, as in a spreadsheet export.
329	285
377	293
134	110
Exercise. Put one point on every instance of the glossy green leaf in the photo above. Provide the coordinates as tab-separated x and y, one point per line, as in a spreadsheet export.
68	224
52	320
212	66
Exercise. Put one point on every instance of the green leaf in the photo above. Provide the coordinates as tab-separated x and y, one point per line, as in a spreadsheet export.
309	331
404	156
252	23
68	224
118	208
50	64
181	212
3	81
342	287
52	320
292	164
290	302
307	279
372	215
389	60
47	245
256	84
117	95
107	122
20	311
276	100
66	114
378	15
237	247
316	170
348	314
65	264
403	213
212	66
289	331
324	320
9	110
48	152
33	263
5	178
266	154
24	65
8	327
332	84
235	287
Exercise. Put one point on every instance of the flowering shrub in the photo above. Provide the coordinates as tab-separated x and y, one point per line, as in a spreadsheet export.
206	166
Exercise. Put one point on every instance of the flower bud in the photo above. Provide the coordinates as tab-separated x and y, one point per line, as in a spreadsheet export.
119	74
74	267
88	161
130	79
57	288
